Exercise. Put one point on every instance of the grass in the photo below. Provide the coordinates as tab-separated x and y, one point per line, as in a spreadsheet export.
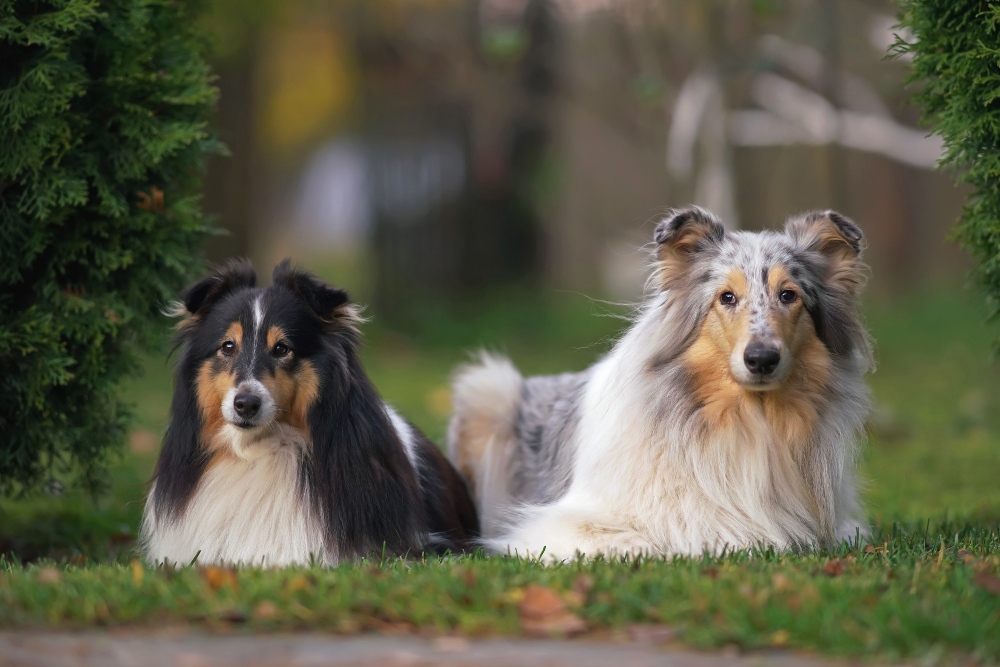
926	586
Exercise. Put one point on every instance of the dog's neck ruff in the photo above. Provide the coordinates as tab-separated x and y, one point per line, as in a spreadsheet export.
250	507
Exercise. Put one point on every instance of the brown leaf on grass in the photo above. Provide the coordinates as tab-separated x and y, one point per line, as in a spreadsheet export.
540	602
711	572
780	638
834	568
137	573
217	577
543	612
49	575
962	555
781	583
651	634
583	585
299	582
988	581
265	610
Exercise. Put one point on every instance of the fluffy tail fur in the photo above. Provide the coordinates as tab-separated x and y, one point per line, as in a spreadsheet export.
482	438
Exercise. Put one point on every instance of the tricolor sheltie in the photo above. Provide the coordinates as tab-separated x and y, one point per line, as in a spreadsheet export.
279	450
727	417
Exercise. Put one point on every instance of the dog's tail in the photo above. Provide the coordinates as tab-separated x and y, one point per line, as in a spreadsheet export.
482	438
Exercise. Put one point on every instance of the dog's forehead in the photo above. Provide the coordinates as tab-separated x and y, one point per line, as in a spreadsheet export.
753	253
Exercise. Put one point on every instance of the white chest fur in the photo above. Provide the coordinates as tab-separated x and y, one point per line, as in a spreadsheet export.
250	508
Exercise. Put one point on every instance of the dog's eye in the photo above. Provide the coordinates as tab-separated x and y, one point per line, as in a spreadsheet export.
787	296
280	350
228	348
727	299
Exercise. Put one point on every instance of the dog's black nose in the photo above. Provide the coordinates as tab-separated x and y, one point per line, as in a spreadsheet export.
761	358
247	405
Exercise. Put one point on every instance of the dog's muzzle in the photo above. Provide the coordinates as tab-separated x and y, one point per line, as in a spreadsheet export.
248	405
761	359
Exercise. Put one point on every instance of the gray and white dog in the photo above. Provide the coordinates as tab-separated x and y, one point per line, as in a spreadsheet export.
728	416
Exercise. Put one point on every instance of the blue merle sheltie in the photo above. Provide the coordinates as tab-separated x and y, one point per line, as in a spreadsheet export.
279	450
728	416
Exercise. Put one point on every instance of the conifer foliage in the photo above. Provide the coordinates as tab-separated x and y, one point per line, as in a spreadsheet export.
955	46
103	136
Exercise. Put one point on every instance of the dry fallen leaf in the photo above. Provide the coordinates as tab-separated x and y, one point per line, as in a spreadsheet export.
988	581
543	612
49	575
217	577
540	602
781	583
265	610
780	638
297	583
137	573
583	584
153	201
834	568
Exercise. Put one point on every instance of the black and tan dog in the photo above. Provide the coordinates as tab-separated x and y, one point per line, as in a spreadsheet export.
279	449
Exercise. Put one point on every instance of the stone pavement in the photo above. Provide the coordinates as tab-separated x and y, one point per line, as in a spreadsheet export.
191	649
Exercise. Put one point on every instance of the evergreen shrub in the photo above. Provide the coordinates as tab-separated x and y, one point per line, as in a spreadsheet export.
103	137
955	45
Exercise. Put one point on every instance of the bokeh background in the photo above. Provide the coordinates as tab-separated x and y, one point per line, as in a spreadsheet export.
486	173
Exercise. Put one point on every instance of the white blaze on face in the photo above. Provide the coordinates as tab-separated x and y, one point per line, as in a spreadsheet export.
258	322
268	408
759	304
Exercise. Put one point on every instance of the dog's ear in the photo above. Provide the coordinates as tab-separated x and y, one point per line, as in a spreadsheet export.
200	297
831	246
325	301
683	234
837	240
828	232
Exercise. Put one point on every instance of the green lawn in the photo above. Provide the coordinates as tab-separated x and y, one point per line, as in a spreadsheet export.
927	586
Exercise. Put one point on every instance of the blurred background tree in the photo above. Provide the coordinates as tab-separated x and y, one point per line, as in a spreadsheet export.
426	150
954	49
104	126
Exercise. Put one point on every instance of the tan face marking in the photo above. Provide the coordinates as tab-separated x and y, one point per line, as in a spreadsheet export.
730	322
211	387
790	322
275	335
294	393
789	407
234	333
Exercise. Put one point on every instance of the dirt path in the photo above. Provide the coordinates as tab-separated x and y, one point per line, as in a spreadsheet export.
187	649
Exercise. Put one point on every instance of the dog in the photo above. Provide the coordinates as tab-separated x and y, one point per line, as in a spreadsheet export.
728	416
279	450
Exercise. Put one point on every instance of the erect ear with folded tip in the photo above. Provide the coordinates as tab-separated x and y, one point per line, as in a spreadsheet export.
683	234
836	239
201	296
327	302
831	245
